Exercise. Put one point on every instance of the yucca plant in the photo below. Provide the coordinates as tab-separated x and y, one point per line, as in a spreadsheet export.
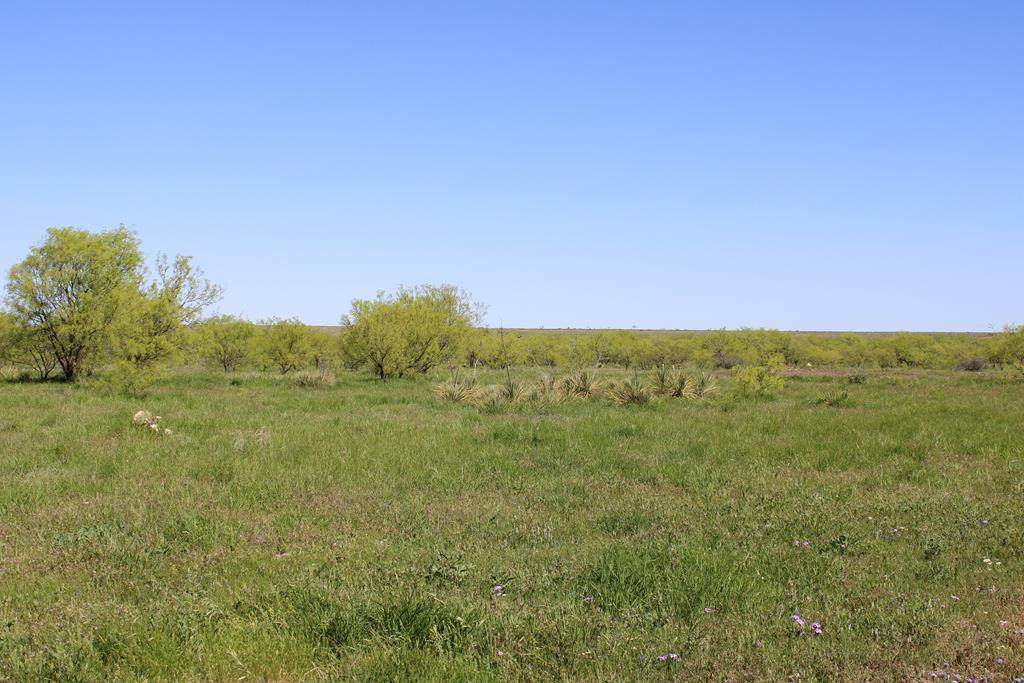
580	384
512	390
664	379
702	385
836	398
546	390
492	402
630	392
457	390
682	386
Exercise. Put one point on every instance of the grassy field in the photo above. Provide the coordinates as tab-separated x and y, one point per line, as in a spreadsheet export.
368	531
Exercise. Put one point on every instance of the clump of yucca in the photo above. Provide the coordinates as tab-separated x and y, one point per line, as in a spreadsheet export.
546	390
702	385
457	390
512	390
630	392
837	398
492	402
664	380
682	386
580	384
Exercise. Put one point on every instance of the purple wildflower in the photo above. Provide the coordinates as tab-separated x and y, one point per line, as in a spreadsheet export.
662	658
707	610
999	661
673	655
816	627
498	588
798	621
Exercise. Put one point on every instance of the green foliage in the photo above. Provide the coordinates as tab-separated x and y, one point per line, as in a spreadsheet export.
76	288
495	349
757	380
125	378
284	345
152	332
225	342
410	331
79	299
546	350
1007	348
25	347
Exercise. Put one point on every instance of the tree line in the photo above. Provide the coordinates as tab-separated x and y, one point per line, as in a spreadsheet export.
84	304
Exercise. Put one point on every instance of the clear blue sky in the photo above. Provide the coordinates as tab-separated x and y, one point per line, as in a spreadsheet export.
798	165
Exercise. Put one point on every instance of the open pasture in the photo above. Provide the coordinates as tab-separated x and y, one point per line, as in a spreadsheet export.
368	530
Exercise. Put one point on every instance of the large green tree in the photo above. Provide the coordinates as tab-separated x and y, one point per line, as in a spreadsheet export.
81	298
74	289
412	330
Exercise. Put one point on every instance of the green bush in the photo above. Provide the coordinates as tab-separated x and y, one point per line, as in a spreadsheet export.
757	381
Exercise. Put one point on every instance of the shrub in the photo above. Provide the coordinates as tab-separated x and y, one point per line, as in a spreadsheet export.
284	344
309	379
411	331
974	364
127	379
225	342
757	380
727	361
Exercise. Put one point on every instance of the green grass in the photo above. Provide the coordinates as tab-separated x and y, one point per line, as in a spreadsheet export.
357	531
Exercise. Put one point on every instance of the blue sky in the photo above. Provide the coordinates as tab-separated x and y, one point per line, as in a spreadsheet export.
797	165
